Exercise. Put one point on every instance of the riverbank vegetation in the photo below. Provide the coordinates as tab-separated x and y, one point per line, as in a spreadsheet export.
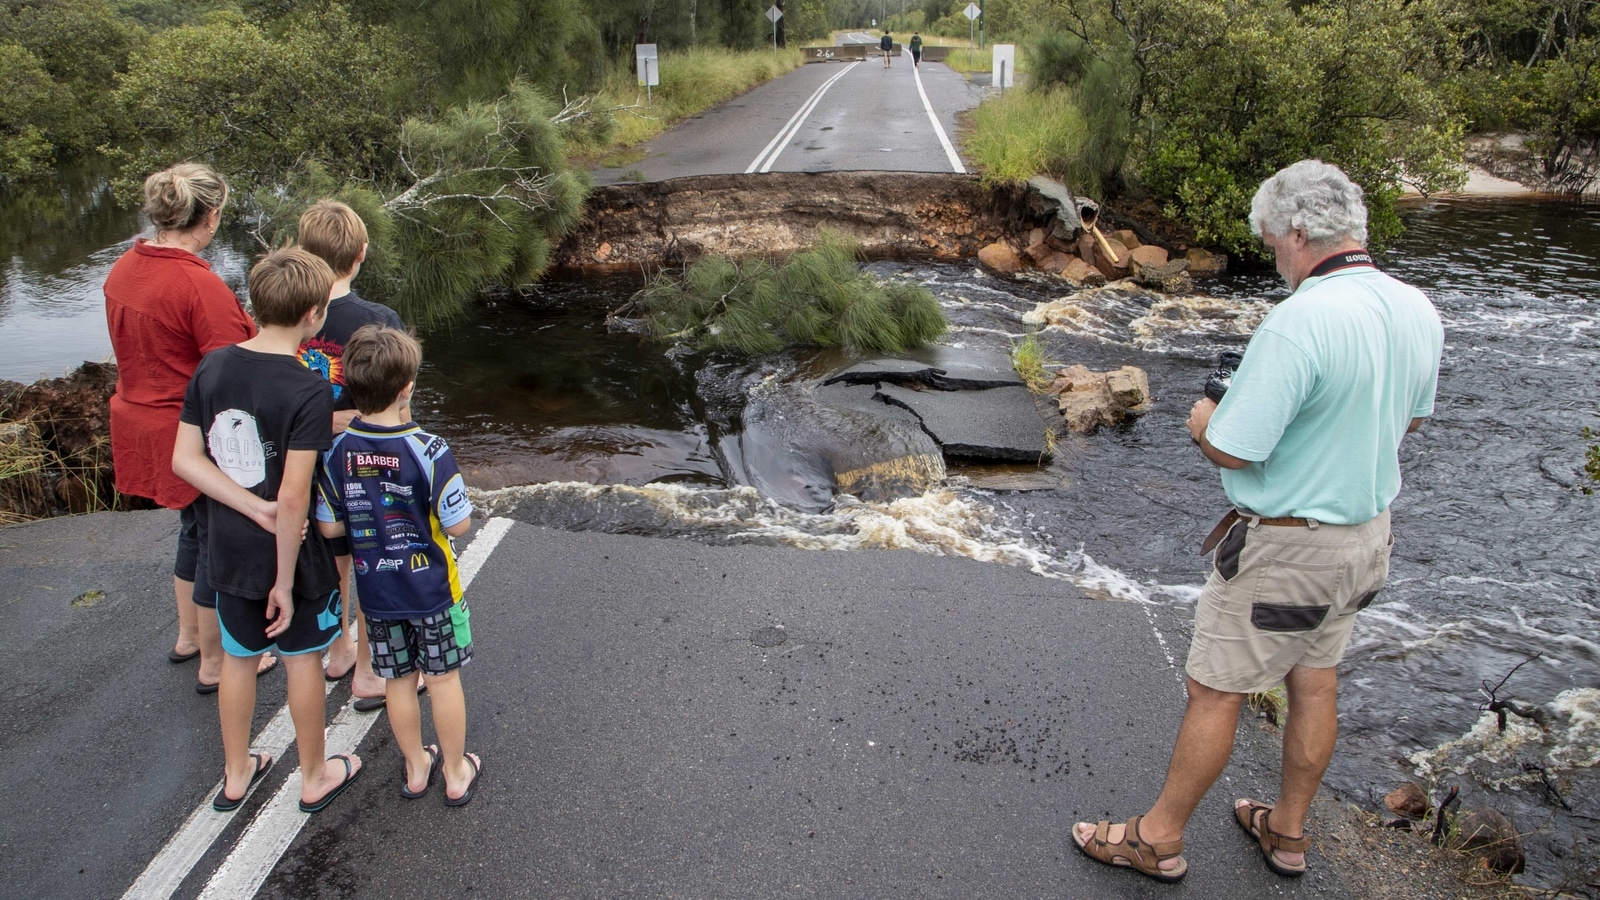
817	298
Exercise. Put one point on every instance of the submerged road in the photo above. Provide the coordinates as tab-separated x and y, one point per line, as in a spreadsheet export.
822	117
657	718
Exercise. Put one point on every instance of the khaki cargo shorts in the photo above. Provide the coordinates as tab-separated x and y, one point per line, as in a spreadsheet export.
1284	596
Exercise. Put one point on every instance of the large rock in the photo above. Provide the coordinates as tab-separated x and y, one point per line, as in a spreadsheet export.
1407	800
1057	262
1204	263
1168	278
1080	272
1107	267
1088	399
1127	238
1000	258
1141	255
1489	835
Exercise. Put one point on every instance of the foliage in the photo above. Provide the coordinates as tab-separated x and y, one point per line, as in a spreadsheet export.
818	298
691	82
59	58
479	196
1026	133
254	103
1028	358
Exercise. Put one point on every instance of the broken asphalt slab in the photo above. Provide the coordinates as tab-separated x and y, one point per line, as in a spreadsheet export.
999	423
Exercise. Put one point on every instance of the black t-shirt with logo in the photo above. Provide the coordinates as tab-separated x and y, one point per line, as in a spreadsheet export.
324	354
253	408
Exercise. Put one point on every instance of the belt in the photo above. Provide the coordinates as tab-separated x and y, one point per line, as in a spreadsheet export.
1233	516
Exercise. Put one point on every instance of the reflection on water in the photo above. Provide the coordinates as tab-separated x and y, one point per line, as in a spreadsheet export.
1495	548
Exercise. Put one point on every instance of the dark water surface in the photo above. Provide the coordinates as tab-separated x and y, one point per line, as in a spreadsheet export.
1495	545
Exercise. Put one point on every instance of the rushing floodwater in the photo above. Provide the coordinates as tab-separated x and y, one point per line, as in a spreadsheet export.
1495	555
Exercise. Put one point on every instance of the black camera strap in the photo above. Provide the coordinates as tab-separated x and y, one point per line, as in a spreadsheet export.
1344	260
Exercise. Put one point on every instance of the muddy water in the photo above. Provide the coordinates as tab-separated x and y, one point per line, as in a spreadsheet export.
1495	558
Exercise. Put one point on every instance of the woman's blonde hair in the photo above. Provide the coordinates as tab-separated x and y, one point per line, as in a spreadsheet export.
179	198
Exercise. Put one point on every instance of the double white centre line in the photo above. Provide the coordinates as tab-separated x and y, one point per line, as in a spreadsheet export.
769	155
280	820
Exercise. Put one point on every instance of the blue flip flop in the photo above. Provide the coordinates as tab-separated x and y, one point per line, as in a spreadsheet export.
223	803
350	775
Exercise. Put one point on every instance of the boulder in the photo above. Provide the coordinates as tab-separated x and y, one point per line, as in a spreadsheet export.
1487	834
1407	800
1145	255
1088	399
1113	270
1204	263
1127	237
1000	258
1080	272
1038	250
1056	262
1168	278
1036	236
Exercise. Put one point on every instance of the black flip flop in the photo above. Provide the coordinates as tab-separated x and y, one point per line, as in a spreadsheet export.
435	759
373	704
464	799
202	688
350	775
175	657
223	803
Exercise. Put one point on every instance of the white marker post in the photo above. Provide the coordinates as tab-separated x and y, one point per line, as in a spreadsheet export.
649	66
1005	65
972	12
774	13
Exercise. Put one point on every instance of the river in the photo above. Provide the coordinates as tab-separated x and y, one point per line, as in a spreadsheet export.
1495	557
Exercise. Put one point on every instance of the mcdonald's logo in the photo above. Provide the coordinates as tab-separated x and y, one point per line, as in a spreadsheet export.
419	561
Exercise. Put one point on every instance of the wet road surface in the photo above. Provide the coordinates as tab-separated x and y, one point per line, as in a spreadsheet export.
656	718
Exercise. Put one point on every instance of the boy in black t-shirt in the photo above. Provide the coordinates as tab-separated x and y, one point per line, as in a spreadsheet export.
334	232
253	425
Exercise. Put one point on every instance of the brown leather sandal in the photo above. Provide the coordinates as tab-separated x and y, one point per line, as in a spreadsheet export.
1255	818
1132	851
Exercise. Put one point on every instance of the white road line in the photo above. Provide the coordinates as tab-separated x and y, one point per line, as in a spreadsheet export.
794	124
277	824
949	149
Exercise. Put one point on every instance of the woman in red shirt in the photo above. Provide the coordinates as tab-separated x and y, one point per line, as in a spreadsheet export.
165	309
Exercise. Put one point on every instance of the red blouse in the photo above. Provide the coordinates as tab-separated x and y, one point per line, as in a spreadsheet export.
165	309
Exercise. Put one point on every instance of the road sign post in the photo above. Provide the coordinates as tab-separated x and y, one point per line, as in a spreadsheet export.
972	12
648	64
1005	65
774	13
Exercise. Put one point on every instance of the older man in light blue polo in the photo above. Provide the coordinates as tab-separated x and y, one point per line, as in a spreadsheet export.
1307	439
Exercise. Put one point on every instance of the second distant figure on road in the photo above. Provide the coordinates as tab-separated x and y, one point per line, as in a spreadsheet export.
916	49
887	46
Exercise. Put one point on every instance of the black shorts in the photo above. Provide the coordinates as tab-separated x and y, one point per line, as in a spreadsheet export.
316	624
193	555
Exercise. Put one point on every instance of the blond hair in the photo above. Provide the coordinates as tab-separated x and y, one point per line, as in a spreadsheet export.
379	362
288	283
179	198
333	231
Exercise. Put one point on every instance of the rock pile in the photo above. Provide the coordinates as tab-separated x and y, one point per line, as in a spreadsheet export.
1073	247
1089	399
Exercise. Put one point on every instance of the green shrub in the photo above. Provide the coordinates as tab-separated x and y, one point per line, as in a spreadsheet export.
818	298
1027	133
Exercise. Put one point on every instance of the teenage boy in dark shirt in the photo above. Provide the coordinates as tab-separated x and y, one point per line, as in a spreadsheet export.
253	424
333	231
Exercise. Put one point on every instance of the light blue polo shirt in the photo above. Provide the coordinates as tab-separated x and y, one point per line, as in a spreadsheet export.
1330	382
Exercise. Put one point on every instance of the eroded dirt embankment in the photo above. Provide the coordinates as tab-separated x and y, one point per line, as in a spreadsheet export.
896	214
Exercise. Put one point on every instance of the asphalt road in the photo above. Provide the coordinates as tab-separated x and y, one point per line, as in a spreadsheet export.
657	718
822	117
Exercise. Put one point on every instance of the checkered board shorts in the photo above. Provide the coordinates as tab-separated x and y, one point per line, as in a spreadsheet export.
436	645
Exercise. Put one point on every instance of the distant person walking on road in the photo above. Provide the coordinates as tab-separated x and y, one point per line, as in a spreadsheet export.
916	49
1308	439
395	491
887	46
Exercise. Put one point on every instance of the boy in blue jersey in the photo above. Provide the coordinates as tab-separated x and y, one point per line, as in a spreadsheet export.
395	491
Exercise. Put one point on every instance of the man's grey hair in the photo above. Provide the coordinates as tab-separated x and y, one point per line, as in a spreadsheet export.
1314	196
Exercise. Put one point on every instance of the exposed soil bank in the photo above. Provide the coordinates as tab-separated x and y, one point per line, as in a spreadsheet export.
890	214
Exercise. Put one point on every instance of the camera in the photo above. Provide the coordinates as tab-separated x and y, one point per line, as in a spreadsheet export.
1218	382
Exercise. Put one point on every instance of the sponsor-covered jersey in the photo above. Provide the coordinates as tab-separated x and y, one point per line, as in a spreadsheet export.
396	490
